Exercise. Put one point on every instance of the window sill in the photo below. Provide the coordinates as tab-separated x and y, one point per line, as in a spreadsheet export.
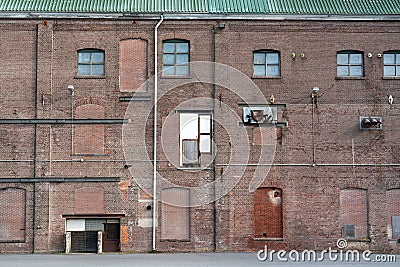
358	240
266	77
267	239
89	77
175	240
349	78
89	155
175	77
391	78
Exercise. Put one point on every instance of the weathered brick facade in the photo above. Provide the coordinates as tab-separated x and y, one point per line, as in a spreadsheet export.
60	170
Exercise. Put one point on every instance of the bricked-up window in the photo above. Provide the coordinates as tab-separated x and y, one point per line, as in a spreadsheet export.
391	61
91	62
195	137
89	200
132	64
353	213
89	138
266	63
393	202
350	64
12	214
175	218
175	58
268	217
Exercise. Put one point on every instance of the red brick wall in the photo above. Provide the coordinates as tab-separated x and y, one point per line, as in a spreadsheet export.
268	218
12	214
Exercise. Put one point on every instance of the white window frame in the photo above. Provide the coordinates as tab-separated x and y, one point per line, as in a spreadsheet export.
196	127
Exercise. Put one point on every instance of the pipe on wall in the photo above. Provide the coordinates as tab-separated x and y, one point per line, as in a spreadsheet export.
155	132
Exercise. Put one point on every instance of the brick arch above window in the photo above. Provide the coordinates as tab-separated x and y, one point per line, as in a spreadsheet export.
89	200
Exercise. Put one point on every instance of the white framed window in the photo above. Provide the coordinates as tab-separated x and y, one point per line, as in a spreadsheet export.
391	64
266	63
175	58
91	62
195	137
350	64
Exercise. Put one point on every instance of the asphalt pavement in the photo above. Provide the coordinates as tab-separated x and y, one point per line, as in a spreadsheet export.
178	259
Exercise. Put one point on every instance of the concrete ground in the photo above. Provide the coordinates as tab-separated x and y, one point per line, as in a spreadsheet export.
175	259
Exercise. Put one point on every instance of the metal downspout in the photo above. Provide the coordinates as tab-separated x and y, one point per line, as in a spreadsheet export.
155	131
213	150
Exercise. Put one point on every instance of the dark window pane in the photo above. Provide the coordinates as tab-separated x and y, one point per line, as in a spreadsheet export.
98	57
342	71
273	70
84	69
182	47
182	70
168	47
259	58
355	58
182	58
259	70
169	59
389	70
388	58
356	71
342	59
272	58
98	70
84	57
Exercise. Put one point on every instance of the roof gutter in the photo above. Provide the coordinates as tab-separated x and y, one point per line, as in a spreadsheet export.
198	16
155	131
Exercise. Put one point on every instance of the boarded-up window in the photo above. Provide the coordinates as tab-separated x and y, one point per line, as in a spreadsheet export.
268	219
353	213
89	138
393	201
12	214
175	214
89	200
132	64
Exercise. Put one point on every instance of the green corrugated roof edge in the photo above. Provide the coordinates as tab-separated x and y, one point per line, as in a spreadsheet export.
312	7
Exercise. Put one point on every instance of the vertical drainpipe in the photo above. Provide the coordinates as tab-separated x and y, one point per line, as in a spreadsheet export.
34	140
213	138
155	131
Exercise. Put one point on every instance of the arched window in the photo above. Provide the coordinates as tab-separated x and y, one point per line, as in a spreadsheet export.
91	62
175	58
266	63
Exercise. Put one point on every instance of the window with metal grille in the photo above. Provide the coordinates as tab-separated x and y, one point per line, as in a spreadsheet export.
91	62
350	64
266	63
175	58
391	61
